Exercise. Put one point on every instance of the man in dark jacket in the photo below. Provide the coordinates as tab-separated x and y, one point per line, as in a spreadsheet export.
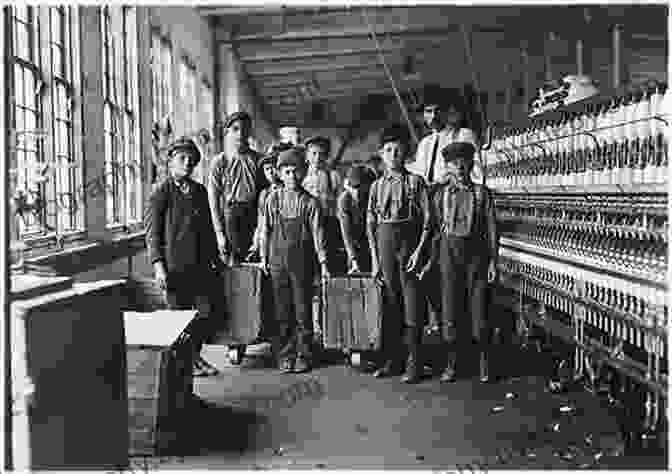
182	244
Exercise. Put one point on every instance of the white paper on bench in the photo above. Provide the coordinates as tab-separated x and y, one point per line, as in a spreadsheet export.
156	328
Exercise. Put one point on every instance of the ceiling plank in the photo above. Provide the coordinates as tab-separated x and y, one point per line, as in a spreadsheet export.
263	10
364	61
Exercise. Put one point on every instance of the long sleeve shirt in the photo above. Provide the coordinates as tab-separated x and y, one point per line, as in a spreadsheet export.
283	203
352	217
232	180
438	141
263	195
323	184
398	197
179	230
466	211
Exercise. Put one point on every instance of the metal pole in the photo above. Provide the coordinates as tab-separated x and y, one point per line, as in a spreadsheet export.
5	236
411	128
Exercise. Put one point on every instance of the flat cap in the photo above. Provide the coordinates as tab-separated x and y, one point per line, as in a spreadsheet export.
456	150
240	115
268	159
359	175
184	144
319	140
292	157
394	133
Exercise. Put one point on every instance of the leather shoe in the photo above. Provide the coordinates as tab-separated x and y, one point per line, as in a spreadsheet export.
286	366
301	365
448	375
386	370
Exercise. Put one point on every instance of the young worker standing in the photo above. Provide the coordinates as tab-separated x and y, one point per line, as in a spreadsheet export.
291	237
182	245
233	189
465	215
398	225
351	214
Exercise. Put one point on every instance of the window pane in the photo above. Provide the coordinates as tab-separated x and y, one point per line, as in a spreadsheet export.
56	22
21	12
57	59
23	41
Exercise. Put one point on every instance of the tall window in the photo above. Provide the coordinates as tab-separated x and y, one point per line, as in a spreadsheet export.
188	95
162	84
123	178
42	151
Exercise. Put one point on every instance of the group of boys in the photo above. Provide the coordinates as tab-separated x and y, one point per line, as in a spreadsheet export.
422	236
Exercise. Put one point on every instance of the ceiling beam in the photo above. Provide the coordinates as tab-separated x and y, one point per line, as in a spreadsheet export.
335	94
264	10
316	64
348	32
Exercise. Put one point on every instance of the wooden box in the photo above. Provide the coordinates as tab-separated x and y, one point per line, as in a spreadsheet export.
160	381
352	313
69	379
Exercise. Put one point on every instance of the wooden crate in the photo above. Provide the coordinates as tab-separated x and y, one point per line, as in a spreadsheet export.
352	313
160	382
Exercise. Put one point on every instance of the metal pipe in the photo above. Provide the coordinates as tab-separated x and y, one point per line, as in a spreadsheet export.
409	123
616	55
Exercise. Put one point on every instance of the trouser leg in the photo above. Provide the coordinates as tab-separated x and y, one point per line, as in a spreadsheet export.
284	342
391	347
453	300
478	299
302	292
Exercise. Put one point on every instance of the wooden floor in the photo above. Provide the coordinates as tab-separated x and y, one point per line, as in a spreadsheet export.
336	417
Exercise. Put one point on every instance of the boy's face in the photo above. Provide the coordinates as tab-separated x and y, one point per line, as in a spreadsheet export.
269	172
182	164
238	135
460	168
434	117
392	154
316	154
291	176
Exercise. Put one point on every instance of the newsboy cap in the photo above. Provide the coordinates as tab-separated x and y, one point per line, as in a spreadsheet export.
394	133
292	157
240	115
184	144
319	140
456	150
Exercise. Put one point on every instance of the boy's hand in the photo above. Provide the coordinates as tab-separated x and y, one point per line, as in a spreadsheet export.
223	245
324	270
376	273
161	276
263	264
354	268
413	260
492	272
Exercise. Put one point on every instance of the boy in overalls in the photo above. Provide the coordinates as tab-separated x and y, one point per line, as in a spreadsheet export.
398	225
182	245
465	217
292	235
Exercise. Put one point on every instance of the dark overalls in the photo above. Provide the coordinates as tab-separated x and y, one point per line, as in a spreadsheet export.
467	244
398	227
292	270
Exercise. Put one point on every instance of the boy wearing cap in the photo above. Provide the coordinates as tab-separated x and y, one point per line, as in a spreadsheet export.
466	227
233	189
268	167
398	226
182	244
292	235
351	214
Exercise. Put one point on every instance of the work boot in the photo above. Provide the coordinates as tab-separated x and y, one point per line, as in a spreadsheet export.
302	365
449	374
286	365
386	370
413	372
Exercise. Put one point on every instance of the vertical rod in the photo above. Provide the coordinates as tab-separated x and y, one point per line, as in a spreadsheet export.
548	57
579	57
5	231
617	46
527	89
